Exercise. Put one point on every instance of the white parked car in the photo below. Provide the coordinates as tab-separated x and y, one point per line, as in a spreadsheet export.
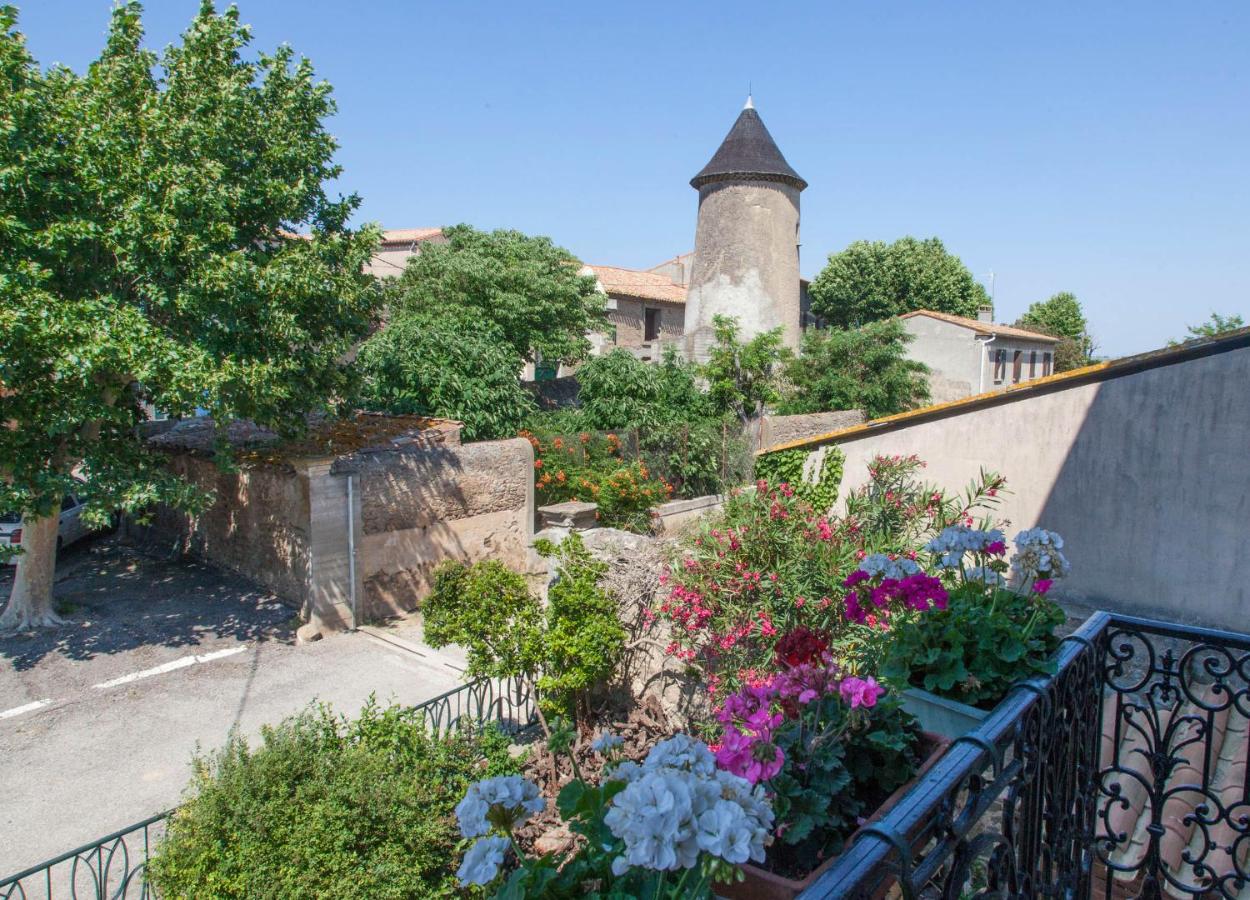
72	526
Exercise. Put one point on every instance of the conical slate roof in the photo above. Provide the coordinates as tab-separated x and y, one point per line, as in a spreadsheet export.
748	153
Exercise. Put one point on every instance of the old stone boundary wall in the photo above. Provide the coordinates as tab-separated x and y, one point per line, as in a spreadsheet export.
298	528
1144	472
469	502
258	525
775	430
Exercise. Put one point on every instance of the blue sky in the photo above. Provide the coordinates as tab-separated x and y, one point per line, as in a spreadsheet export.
1098	148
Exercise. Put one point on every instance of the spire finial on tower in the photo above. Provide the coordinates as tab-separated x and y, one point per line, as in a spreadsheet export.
750	104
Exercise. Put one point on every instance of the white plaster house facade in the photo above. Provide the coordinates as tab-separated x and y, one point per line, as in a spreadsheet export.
972	356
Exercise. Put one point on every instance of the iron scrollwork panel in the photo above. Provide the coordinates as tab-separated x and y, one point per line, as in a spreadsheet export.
1173	803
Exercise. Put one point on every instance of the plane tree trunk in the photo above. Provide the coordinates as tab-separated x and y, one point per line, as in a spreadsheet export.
30	601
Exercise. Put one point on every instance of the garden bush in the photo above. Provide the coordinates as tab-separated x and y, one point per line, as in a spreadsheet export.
566	649
326	807
769	563
595	468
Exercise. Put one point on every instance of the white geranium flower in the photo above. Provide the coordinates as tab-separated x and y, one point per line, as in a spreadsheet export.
1039	555
505	801
681	752
650	816
481	864
878	564
957	540
605	743
678	806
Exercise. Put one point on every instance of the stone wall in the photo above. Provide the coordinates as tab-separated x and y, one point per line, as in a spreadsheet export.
386	518
1144	469
470	502
630	322
776	430
257	525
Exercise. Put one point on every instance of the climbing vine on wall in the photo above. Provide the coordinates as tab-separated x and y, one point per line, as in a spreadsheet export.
786	466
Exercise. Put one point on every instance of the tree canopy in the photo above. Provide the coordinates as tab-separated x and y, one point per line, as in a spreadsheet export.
743	378
1215	325
862	368
448	364
527	286
147	255
873	280
1061	316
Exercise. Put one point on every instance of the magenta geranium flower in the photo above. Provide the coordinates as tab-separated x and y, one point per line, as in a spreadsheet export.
1042	585
861	692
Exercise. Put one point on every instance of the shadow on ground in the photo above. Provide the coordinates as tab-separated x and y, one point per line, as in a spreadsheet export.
115	598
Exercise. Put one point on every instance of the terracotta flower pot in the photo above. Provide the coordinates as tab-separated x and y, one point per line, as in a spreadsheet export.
760	884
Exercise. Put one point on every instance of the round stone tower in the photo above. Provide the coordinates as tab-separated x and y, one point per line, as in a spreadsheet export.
746	243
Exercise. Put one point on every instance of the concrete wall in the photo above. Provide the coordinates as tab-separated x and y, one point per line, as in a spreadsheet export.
471	502
628	317
746	262
776	430
258	524
957	358
1146	475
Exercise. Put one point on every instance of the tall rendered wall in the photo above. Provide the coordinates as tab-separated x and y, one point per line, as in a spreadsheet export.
1146	476
746	263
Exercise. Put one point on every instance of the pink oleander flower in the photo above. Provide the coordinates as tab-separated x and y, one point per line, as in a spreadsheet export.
1042	585
861	692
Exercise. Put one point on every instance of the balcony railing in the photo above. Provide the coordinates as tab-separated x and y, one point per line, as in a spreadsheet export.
1123	775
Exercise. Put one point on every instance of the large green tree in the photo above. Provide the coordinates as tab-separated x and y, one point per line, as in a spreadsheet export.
147	256
861	368
447	364
527	286
743	378
872	280
1061	316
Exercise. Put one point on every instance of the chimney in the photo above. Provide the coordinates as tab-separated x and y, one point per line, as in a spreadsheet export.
985	314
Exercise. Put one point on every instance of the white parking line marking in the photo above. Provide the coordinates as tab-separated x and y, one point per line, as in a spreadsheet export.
29	707
171	666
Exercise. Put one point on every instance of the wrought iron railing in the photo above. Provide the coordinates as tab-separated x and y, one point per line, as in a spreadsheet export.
1126	774
115	867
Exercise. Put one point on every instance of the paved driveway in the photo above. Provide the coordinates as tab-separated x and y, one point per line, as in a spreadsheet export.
99	719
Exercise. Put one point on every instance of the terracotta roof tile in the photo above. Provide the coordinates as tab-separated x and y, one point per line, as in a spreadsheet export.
984	327
633	283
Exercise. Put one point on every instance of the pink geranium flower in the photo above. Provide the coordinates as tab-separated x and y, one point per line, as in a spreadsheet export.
861	692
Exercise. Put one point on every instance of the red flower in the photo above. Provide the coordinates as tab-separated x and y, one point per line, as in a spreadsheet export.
800	646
